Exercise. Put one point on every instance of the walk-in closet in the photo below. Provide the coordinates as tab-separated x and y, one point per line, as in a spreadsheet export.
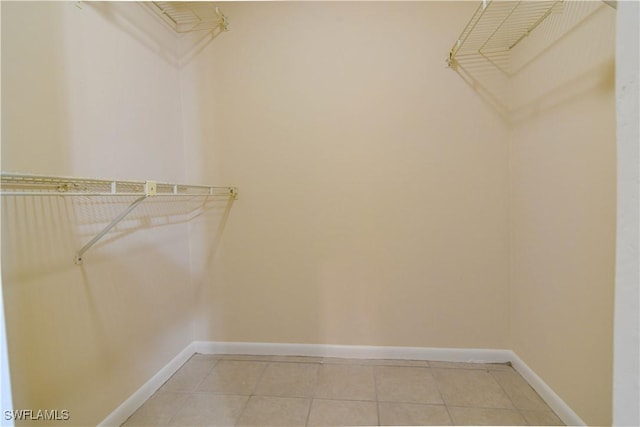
319	213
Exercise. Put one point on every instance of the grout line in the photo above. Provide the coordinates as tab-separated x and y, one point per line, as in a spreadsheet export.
217	393
515	407
306	421
444	402
375	371
173	415
481	407
313	393
244	407
207	375
519	410
255	387
356	362
188	393
375	389
348	400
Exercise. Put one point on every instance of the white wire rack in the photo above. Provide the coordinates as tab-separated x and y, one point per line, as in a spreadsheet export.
16	184
189	16
496	27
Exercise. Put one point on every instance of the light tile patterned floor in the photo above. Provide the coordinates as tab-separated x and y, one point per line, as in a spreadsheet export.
240	390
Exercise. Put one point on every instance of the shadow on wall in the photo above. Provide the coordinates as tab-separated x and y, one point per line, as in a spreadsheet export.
601	77
137	25
491	86
67	325
194	43
86	337
206	233
214	222
558	43
42	234
66	337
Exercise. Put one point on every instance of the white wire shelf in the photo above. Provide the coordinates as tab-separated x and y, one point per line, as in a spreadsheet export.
504	38
496	27
189	16
16	184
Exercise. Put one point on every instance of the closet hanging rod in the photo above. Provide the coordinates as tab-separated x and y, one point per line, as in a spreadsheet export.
15	184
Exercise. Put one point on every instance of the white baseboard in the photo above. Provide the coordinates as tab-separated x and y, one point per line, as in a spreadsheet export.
547	394
355	351
129	406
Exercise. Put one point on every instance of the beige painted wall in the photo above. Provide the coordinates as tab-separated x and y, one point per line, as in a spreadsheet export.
373	181
90	91
563	186
374	204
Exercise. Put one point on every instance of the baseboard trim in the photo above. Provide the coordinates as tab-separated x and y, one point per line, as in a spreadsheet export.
129	406
355	351
555	402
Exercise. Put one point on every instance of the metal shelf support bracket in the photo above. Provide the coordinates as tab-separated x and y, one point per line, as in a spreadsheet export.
100	235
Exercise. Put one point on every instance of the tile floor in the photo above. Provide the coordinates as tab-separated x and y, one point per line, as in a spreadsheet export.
239	390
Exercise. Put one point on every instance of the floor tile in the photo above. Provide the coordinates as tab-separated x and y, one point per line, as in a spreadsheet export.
374	362
293	390
470	387
233	377
158	410
298	359
343	413
520	392
190	375
288	379
346	382
499	367
209	409
202	356
413	414
406	384
275	411
466	365
345	361
399	362
457	365
542	418
485	417
246	357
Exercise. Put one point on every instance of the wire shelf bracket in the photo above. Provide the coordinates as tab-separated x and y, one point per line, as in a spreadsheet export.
15	184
